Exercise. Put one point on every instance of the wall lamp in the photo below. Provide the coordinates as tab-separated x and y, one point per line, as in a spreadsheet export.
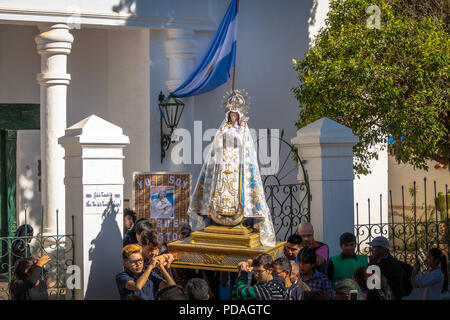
170	111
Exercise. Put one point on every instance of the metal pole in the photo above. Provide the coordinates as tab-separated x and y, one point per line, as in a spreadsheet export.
234	68
42	230
426	214
26	235
73	252
9	240
404	224
57	255
415	220
42	238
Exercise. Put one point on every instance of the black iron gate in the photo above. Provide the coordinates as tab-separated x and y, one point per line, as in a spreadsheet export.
287	190
412	225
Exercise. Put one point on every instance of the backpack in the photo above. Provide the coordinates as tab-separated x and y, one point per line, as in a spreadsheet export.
407	274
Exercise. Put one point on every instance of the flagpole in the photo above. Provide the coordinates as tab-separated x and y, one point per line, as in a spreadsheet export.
234	73
234	68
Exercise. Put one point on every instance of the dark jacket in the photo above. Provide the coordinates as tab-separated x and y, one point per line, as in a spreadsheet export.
33	288
392	270
20	247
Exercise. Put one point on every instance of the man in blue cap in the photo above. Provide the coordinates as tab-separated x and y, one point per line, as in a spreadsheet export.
389	266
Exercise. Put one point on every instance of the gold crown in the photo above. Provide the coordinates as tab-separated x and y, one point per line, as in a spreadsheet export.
236	101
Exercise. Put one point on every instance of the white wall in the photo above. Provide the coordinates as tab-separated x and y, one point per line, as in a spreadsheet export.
371	187
19	64
110	78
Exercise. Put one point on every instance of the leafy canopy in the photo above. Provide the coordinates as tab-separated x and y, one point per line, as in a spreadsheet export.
386	82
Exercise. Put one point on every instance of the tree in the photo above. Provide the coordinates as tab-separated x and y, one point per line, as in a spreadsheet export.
391	81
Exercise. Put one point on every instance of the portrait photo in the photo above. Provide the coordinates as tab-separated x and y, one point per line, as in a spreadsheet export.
162	202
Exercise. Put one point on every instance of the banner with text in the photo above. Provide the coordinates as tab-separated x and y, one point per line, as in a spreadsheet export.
163	198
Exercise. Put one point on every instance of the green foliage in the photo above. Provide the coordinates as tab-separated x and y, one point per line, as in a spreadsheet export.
391	81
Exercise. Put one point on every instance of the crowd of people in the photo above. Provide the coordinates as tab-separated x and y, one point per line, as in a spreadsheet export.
303	270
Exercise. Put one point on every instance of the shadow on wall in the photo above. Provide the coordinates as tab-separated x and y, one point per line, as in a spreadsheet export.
103	255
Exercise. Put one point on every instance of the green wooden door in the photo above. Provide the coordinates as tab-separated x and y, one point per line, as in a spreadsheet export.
13	117
8	152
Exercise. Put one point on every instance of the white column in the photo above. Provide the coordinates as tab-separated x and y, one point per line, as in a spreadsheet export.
181	51
326	148
53	44
94	196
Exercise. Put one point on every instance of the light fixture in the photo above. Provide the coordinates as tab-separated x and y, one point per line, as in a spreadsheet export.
170	111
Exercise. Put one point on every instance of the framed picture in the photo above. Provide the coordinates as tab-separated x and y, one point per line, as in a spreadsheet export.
162	202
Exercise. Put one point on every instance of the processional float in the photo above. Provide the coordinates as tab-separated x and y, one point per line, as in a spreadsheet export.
227	210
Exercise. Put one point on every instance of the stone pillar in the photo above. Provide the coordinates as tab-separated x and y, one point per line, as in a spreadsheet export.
53	44
94	196
326	148
181	51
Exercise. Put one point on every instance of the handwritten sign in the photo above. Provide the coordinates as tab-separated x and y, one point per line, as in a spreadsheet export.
163	198
98	199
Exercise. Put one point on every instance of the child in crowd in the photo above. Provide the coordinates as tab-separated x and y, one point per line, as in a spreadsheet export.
129	219
310	275
136	280
434	281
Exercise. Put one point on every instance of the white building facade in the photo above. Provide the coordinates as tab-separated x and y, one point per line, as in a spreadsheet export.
112	58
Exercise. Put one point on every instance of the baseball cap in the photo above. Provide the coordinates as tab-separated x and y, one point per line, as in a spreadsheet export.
379	242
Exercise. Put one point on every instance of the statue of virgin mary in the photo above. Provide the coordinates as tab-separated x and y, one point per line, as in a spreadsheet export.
229	187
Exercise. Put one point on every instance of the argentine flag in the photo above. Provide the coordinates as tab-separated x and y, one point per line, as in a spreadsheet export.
214	68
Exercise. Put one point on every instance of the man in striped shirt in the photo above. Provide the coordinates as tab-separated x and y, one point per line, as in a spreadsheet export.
265	288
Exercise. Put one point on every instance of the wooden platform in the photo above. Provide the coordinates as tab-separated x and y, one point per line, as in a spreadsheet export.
218	252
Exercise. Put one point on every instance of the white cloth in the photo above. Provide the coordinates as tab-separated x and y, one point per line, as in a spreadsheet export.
430	283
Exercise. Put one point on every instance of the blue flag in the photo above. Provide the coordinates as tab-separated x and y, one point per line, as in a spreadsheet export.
214	68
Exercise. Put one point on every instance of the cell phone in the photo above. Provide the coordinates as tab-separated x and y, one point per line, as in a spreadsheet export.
353	294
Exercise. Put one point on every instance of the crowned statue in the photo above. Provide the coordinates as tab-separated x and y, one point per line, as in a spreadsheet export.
229	191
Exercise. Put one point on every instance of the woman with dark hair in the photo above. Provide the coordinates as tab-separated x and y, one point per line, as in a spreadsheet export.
434	281
141	226
133	237
20	247
26	283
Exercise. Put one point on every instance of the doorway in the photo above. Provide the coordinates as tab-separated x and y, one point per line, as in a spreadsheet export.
13	117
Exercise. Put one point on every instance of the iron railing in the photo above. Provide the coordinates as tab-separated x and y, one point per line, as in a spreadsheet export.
289	203
411	229
60	249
